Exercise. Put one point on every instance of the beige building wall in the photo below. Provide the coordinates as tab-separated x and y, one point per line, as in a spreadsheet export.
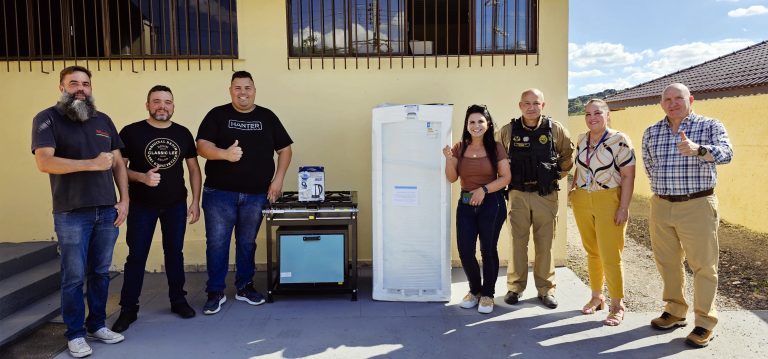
740	186
327	112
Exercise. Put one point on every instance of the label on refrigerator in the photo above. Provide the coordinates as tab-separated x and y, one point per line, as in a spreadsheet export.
431	131
405	196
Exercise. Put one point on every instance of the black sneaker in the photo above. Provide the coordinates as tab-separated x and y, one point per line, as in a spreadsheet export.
511	298
249	295
124	321
214	302
183	310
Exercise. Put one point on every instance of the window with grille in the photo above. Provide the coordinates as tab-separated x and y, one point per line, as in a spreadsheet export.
344	28
109	29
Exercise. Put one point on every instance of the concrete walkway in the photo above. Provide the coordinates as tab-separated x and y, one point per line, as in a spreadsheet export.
332	326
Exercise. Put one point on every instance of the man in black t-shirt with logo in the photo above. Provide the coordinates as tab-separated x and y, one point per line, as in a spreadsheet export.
155	149
239	140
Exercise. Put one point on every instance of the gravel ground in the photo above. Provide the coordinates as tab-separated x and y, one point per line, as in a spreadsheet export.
743	279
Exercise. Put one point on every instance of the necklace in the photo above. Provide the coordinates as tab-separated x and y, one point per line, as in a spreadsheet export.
591	144
475	149
592	148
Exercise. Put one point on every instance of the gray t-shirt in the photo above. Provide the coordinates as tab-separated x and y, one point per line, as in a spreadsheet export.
78	141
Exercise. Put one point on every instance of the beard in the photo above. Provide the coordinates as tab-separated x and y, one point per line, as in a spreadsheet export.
75	109
161	117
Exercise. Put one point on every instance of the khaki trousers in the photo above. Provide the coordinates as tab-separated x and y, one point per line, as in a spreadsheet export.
681	230
595	214
529	210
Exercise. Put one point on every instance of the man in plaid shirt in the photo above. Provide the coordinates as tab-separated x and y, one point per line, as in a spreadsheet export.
680	153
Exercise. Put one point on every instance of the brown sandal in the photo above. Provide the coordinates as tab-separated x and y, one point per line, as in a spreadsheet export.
594	304
615	316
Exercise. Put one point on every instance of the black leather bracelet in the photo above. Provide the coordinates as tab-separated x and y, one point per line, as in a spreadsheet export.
485	189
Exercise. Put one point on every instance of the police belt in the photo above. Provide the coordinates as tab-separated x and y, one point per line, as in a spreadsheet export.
526	187
686	197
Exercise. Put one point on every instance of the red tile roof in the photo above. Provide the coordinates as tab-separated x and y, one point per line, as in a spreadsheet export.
742	69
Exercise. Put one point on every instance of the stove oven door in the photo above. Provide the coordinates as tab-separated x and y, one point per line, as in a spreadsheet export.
311	256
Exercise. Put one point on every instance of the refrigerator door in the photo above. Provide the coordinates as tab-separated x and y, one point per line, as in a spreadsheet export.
411	210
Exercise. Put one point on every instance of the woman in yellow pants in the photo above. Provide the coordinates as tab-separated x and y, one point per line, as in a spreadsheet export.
601	193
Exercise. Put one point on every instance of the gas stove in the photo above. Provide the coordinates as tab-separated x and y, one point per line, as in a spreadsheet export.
336	215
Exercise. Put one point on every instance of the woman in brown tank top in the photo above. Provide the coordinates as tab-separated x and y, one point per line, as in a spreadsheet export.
482	167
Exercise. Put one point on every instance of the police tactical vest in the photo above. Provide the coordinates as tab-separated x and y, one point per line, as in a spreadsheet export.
533	159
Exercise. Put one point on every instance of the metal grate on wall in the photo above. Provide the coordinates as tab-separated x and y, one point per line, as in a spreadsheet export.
147	34
410	33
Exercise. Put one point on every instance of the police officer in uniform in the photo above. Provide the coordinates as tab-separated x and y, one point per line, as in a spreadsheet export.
540	153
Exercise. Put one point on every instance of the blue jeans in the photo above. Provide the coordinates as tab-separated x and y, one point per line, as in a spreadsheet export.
484	221
86	238
141	228
225	211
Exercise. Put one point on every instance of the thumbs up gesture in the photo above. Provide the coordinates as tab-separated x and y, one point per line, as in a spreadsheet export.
686	146
234	152
151	177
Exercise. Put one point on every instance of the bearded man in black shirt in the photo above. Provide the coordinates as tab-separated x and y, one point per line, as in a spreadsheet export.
155	149
79	148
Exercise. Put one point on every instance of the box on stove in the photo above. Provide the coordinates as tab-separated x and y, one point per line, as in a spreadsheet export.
311	183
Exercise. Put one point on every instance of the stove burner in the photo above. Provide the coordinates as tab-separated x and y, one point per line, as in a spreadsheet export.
333	199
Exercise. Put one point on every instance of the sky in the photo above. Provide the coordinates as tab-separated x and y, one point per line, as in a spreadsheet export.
616	44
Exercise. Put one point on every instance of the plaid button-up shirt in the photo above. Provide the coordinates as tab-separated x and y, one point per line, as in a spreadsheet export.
670	172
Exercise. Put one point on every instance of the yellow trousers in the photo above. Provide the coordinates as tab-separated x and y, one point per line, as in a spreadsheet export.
603	240
529	210
687	230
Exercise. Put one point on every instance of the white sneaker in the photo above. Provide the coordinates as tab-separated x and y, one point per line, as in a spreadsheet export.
486	305
106	336
469	301
78	348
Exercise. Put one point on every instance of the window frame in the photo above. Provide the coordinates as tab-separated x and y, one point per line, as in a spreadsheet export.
530	37
61	40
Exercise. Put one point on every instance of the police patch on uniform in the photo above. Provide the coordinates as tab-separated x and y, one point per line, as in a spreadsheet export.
543	139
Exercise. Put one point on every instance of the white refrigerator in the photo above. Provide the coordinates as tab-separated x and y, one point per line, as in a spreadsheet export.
411	203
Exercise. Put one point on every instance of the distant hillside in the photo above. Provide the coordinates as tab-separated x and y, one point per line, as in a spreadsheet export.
576	105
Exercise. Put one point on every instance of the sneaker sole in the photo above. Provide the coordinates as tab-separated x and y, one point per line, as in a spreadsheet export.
106	341
485	310
221	301
691	343
245	299
81	355
679	324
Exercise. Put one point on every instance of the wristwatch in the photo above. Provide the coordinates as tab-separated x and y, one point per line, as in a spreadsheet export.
702	151
485	189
